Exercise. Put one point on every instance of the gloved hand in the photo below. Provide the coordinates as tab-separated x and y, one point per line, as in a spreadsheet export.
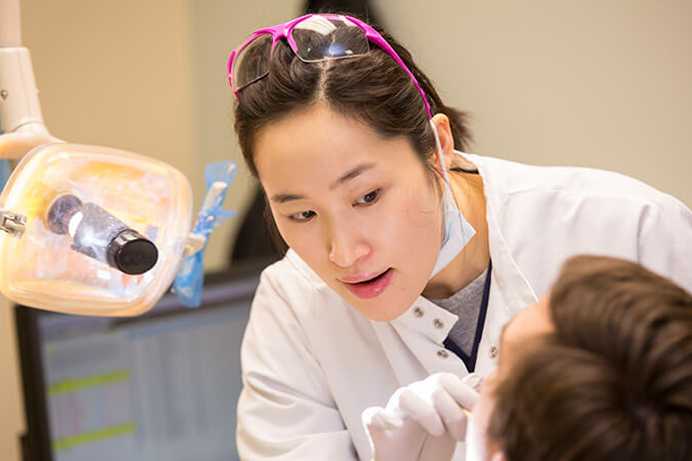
422	421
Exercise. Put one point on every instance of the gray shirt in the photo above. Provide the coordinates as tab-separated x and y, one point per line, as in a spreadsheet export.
466	304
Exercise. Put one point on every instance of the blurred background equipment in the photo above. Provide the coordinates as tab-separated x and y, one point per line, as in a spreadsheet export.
162	386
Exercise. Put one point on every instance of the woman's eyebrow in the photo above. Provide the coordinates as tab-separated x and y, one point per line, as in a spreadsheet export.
352	174
283	198
348	176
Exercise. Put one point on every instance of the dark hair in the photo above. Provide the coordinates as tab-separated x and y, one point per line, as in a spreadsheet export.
371	88
613	382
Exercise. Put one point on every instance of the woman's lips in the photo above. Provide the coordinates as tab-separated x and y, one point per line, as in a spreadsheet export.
372	287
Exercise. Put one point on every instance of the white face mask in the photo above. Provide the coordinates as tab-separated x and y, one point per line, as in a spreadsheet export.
456	229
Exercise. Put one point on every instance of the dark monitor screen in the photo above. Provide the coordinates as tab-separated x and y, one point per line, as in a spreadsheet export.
161	386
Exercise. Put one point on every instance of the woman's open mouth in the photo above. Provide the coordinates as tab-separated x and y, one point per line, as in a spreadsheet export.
372	287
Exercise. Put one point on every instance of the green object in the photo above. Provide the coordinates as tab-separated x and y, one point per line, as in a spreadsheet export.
77	384
65	443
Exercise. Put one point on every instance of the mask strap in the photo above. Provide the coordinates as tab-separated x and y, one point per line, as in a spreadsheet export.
440	152
447	185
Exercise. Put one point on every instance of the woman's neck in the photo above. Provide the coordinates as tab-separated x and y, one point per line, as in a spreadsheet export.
473	260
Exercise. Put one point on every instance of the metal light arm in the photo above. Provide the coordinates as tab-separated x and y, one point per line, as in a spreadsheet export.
21	121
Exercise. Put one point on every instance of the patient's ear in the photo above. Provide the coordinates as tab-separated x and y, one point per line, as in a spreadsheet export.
498	456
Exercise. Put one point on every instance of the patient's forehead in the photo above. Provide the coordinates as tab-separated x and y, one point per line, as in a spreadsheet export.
528	324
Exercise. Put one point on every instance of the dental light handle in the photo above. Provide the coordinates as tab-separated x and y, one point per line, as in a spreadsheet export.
21	121
100	235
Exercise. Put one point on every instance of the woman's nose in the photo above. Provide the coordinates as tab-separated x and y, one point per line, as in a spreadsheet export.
346	247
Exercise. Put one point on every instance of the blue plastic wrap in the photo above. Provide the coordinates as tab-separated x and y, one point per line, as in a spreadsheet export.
189	282
5	171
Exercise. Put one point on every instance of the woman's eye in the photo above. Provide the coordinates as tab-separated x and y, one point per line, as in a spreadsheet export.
302	216
369	198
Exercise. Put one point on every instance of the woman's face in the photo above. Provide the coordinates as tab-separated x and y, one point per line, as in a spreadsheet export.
360	209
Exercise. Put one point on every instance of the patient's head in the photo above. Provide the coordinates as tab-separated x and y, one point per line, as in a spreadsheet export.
601	370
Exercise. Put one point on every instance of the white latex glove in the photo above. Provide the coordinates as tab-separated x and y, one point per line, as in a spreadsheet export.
424	420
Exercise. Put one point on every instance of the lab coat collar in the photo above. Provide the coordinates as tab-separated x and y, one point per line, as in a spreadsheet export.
511	289
428	319
515	287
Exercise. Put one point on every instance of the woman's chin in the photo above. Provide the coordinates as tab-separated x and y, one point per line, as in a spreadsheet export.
384	308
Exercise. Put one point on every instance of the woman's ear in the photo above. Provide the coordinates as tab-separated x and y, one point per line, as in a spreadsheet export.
440	123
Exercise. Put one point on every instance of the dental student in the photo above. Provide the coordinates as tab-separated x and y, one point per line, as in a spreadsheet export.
406	255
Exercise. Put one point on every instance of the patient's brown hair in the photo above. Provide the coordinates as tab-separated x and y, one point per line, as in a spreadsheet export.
613	382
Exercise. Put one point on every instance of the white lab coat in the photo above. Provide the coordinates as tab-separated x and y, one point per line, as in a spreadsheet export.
312	364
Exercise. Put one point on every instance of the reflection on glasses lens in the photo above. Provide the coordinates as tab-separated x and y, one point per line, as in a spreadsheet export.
252	62
318	38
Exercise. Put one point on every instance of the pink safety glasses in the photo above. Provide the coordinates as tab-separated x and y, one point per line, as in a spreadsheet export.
313	38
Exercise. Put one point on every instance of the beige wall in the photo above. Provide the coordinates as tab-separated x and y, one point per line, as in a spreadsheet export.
592	83
602	84
217	27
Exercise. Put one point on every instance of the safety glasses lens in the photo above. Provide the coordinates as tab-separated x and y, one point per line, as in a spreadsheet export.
252	62
318	38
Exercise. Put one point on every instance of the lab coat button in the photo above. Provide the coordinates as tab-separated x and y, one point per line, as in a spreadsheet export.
443	354
493	352
438	324
418	312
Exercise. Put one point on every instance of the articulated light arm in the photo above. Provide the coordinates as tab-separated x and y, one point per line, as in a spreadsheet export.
21	122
